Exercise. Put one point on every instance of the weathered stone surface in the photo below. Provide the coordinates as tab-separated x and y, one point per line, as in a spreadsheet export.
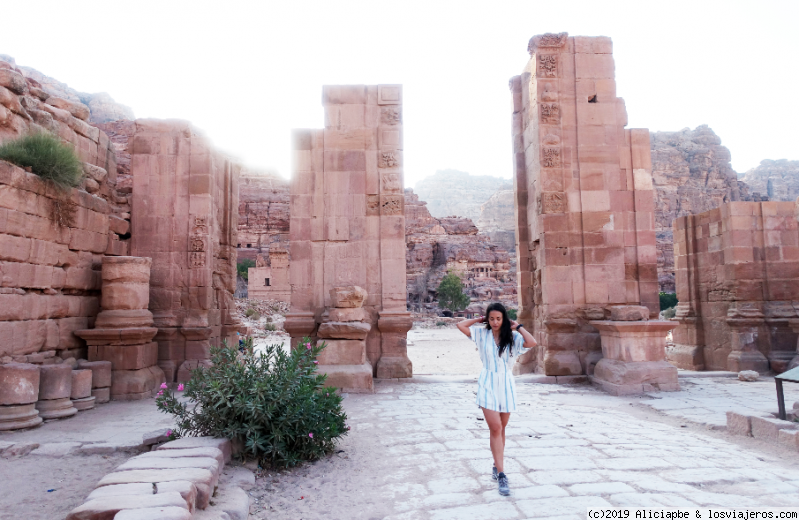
101	395
789	438
235	502
263	213
85	403
186	489
345	315
748	375
81	384
222	445
342	352
101	372
777	180
201	478
55	449
349	378
768	428
19	449
107	507
154	513
136	384
75	108
207	452
55	381
56	408
344	330
628	313
171	463
19	384
350	296
19	416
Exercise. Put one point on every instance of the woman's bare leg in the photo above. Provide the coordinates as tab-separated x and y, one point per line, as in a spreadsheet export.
496	427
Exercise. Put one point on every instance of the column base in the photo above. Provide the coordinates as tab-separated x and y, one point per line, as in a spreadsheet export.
780	360
131	385
739	360
686	357
635	377
101	395
391	367
184	372
19	416
356	379
56	408
562	363
87	403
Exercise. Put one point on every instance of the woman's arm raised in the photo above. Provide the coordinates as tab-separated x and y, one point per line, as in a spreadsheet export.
464	325
529	341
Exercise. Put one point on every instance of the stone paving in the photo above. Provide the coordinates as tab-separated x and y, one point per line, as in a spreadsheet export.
420	452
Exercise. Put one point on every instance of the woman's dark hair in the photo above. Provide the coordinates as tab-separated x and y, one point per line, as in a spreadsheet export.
505	333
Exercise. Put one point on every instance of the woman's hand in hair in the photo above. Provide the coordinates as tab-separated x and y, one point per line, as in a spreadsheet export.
464	325
529	340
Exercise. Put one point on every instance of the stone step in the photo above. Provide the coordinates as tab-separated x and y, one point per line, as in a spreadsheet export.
106	507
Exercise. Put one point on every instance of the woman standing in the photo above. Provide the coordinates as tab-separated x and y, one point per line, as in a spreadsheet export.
500	341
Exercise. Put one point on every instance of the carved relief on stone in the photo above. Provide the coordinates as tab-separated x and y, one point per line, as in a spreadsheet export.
372	205
548	40
200	226
549	93
550	113
548	65
197	244
550	157
196	259
390	183
389	159
391	205
552	202
390	115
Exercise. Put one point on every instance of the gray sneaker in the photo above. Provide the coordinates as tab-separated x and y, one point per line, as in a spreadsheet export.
494	473
504	489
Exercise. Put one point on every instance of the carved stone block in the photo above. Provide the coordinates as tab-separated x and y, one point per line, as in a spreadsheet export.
390	183
389	159
548	65
550	157
550	113
390	115
553	202
391	205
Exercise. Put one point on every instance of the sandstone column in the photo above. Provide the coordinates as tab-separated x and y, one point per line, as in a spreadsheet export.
634	353
124	331
19	391
344	330
347	220
584	202
55	388
101	379
81	393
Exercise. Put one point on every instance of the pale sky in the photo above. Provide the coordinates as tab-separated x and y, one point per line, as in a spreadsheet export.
248	72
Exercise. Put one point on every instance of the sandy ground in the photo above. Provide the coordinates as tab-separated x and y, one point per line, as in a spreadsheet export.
26	481
444	351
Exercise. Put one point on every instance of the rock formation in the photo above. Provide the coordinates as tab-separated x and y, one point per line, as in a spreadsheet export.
102	107
497	219
263	213
437	245
777	180
691	173
453	192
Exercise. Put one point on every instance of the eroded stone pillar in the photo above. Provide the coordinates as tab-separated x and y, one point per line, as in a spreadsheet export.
344	330
55	388
19	391
634	356
124	331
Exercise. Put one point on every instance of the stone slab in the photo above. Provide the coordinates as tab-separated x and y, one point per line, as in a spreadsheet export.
201	478
739	424
186	489
768	428
106	507
154	513
222	445
214	453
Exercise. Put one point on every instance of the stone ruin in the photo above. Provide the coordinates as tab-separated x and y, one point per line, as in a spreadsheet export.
348	224
269	279
738	288
584	202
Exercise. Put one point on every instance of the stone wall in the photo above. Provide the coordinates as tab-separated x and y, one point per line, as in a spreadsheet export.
738	287
270	278
584	201
435	246
348	222
50	274
185	209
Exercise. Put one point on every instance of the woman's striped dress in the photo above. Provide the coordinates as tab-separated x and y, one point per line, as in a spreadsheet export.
496	389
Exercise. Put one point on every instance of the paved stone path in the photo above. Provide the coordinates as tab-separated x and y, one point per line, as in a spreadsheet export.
419	452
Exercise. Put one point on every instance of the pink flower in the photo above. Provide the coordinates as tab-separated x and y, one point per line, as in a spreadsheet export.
163	386
327	395
160	392
315	362
308	345
180	387
310	435
348	427
169	433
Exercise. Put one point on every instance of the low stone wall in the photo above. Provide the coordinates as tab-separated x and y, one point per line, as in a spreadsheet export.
49	275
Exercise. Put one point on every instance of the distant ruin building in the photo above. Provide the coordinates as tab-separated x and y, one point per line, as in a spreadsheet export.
269	279
263	214
584	199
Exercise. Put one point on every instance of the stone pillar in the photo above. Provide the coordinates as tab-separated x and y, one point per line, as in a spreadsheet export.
124	331
19	391
101	379
688	349
747	326
348	220
55	388
584	201
344	330
81	394
634	354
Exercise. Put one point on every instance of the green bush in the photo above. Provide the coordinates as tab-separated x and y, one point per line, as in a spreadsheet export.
243	266
512	314
249	312
47	157
450	293
667	300
273	402
270	327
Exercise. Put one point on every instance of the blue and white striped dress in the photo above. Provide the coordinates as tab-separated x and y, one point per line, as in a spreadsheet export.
496	389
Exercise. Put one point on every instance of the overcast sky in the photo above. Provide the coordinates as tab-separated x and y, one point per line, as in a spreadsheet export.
248	72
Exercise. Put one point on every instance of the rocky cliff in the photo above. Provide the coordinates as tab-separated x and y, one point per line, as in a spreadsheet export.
453	192
777	180
263	212
437	245
691	173
102	107
497	219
